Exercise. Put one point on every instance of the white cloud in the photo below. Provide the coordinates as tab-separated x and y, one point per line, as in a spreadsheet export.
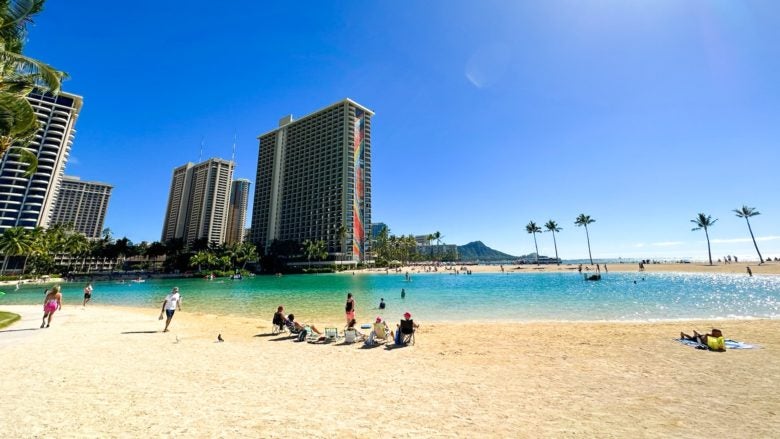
667	244
487	65
737	240
73	160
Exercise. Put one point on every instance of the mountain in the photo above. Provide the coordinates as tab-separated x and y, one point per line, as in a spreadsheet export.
478	251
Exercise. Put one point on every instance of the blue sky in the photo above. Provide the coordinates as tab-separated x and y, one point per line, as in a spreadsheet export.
489	114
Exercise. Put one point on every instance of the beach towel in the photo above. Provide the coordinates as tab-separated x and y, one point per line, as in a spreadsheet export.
730	344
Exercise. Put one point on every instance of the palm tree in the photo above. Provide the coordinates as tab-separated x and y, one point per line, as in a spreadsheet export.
703	221
20	75
747	212
552	226
315	249
532	228
14	242
201	258
584	220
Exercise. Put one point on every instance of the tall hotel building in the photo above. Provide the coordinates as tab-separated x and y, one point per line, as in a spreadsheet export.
313	177
28	201
198	202
239	199
82	204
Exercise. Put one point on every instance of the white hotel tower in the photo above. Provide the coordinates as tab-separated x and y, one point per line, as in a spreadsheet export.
28	201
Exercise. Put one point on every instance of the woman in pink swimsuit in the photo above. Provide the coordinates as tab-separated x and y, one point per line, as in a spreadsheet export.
51	303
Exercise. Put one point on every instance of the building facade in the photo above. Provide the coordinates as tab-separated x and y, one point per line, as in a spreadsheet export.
198	202
237	208
28	201
82	204
314	181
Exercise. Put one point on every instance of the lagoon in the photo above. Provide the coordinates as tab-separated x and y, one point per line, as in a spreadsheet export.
446	297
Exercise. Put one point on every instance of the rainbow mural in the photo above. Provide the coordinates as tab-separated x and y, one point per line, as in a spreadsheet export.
358	231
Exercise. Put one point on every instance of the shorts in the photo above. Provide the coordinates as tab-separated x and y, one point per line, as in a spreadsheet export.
350	315
169	313
87	295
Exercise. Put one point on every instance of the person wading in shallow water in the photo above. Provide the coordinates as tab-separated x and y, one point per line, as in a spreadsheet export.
349	307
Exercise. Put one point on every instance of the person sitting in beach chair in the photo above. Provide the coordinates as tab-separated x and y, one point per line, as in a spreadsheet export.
296	328
278	321
714	340
406	330
380	333
351	334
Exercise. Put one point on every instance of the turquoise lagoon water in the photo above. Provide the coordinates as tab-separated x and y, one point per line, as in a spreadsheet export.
438	297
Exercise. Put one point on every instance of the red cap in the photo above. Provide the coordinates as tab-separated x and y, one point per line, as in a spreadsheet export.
407	315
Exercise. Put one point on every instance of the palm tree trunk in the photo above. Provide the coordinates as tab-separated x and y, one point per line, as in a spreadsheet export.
556	248
588	237
708	244
537	249
761	259
5	264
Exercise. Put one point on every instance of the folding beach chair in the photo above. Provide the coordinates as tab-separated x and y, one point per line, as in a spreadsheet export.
350	336
380	334
406	328
331	334
277	324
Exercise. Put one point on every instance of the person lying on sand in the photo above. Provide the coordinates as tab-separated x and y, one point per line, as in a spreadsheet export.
713	340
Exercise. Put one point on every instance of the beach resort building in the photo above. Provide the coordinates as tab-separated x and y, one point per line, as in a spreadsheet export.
313	178
82	204
239	200
28	201
198	202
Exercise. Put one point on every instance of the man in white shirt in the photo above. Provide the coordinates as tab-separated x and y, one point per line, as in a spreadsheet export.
171	303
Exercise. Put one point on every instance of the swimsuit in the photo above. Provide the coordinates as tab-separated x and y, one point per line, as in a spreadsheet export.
50	306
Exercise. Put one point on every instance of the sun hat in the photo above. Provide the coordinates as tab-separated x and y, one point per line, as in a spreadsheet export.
407	315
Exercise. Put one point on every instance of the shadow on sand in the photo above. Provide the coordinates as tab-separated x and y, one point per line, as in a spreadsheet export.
140	332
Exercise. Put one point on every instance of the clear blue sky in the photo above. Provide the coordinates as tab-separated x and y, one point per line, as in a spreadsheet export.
489	114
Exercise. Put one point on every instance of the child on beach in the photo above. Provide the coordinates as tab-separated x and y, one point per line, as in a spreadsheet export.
51	303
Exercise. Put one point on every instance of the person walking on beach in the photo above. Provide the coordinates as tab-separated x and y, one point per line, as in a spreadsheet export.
349	307
749	272
51	303
87	294
171	303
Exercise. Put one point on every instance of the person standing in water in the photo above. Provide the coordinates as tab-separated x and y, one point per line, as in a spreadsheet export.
403	293
349	307
749	272
51	303
382	303
87	294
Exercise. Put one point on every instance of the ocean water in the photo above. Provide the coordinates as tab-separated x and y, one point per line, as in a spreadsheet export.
440	297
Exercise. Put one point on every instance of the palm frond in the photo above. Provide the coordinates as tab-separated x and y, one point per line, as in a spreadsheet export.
17	12
38	73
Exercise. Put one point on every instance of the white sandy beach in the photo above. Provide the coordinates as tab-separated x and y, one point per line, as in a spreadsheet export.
104	372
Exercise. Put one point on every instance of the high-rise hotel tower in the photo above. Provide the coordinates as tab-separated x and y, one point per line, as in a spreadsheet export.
82	204
28	201
313	178
198	202
239	199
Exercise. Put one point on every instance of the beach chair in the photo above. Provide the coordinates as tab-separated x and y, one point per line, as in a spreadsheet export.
331	334
277	324
406	328
380	334
350	336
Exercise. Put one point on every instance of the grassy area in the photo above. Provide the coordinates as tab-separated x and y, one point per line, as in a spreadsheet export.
6	318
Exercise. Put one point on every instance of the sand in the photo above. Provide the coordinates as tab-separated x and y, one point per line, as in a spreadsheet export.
106	372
